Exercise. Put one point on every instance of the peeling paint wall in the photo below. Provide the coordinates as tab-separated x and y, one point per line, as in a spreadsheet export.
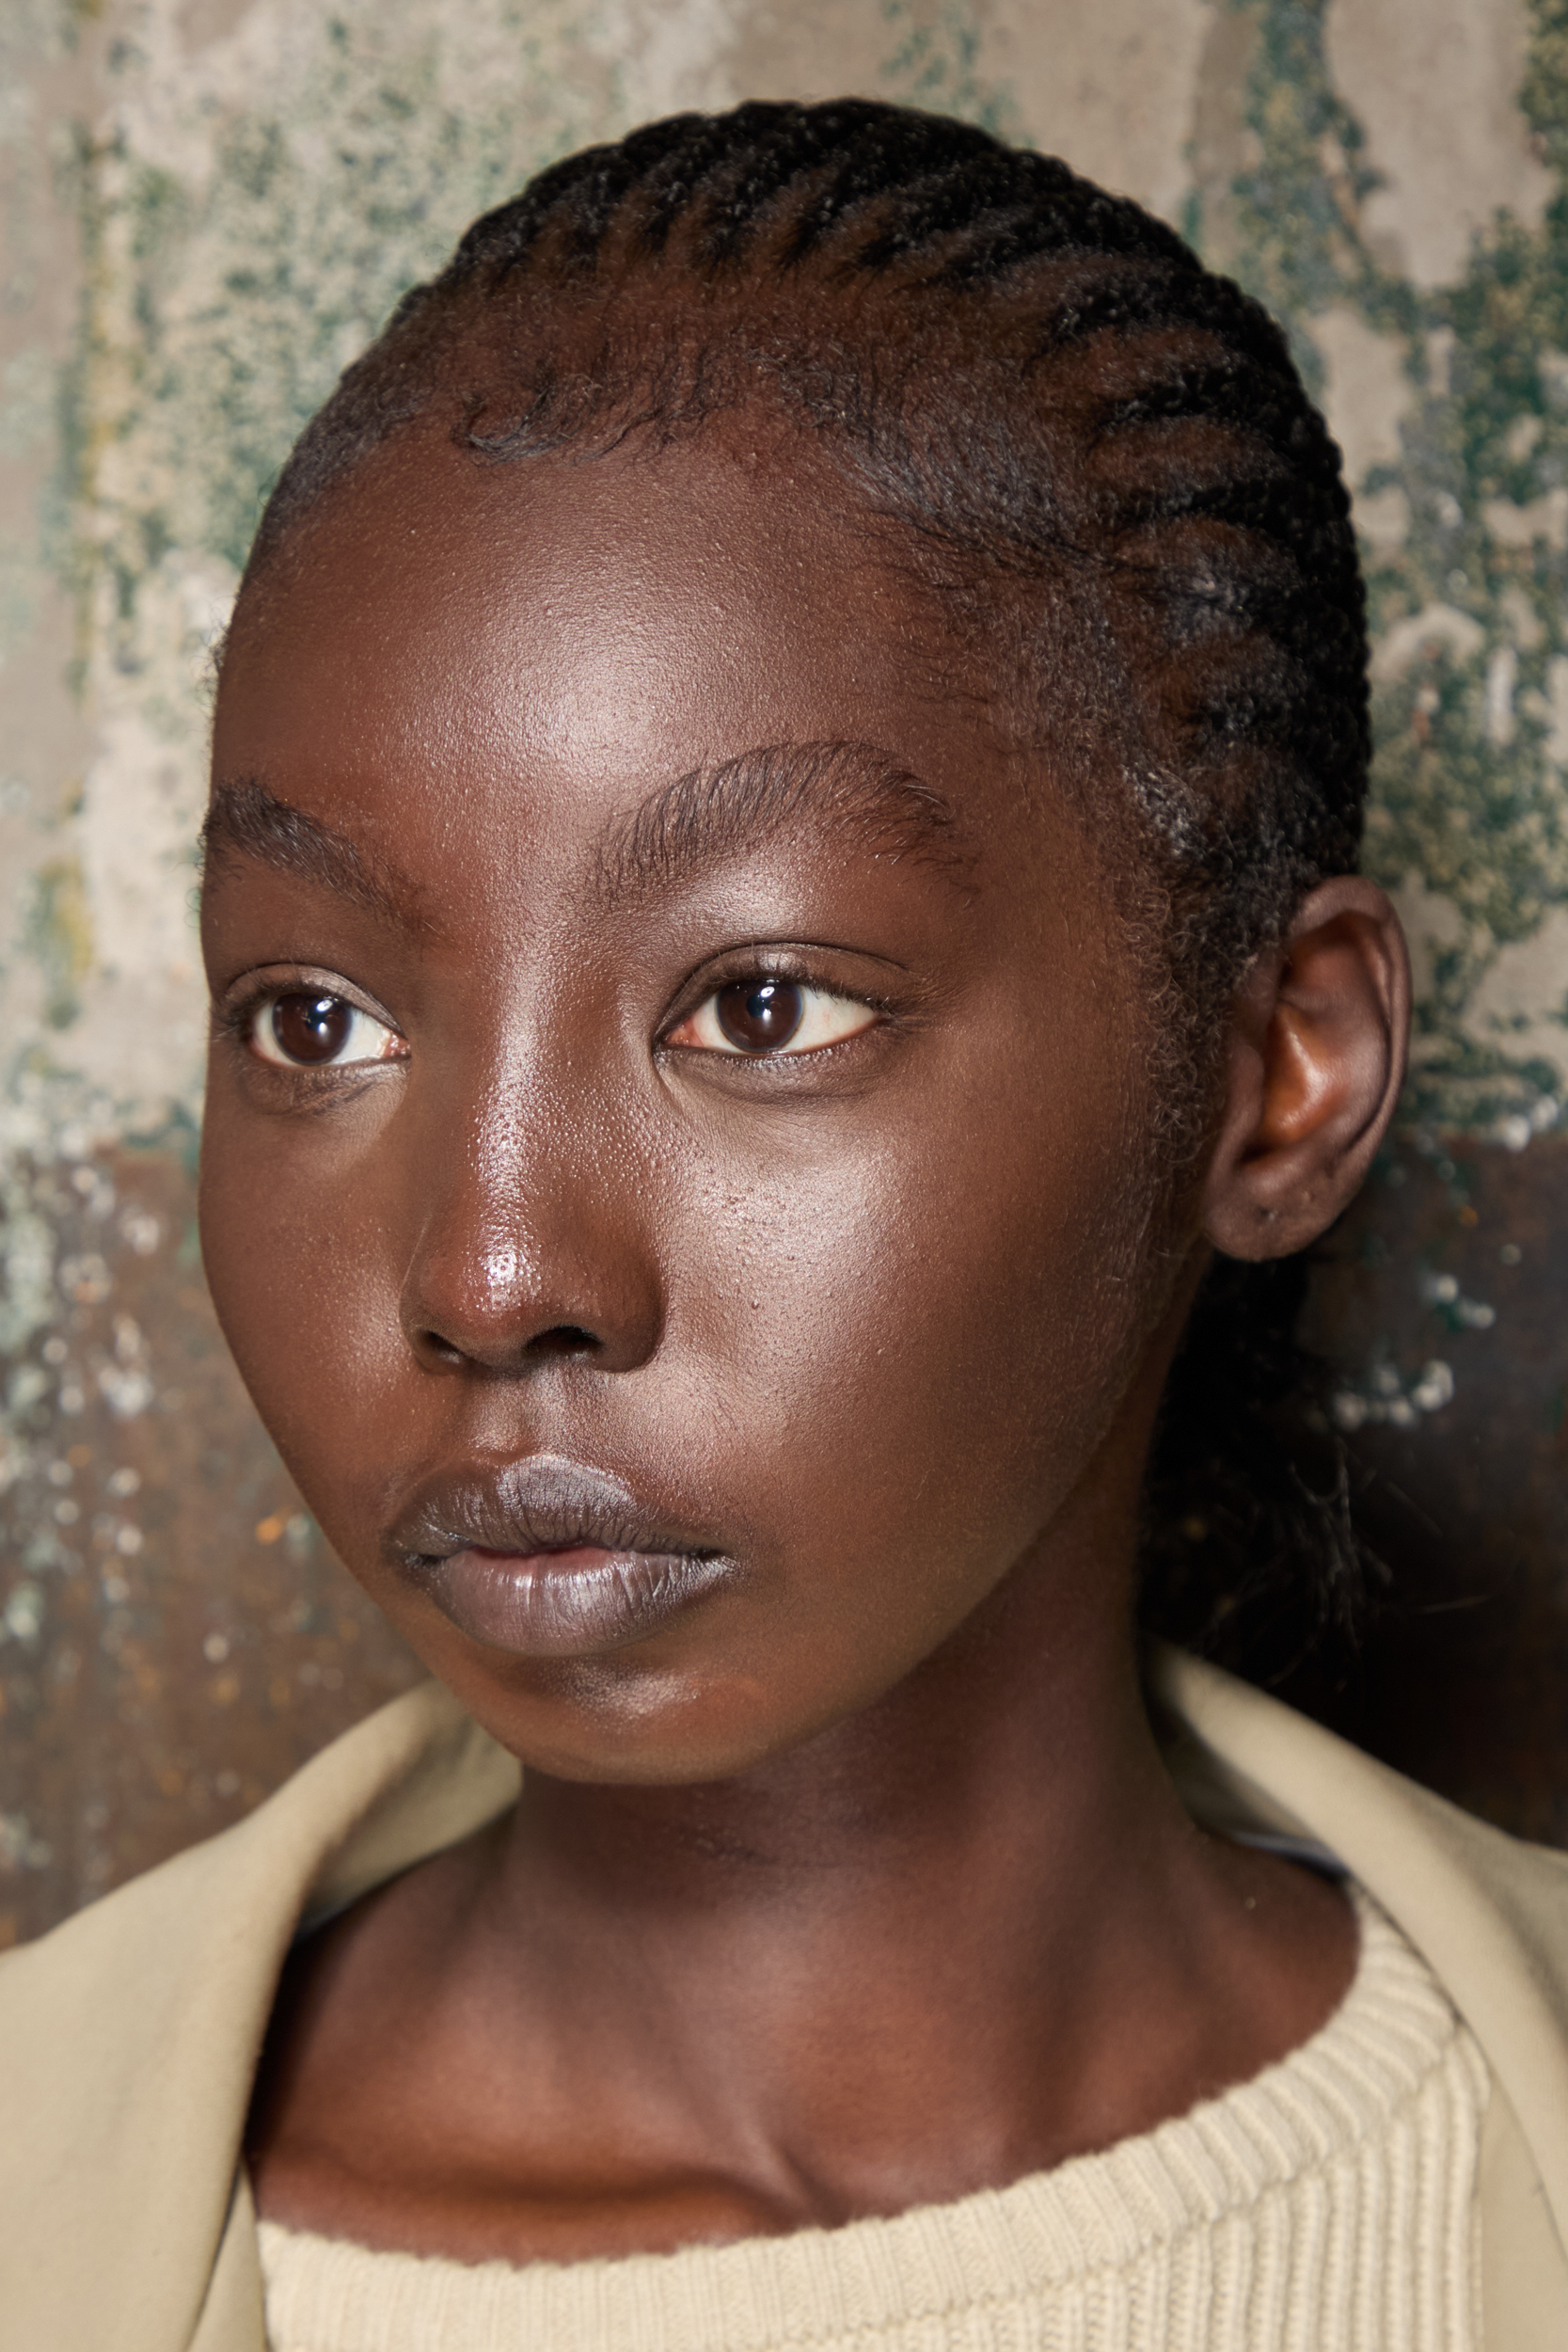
206	207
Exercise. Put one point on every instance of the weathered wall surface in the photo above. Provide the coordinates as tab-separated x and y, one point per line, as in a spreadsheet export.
208	206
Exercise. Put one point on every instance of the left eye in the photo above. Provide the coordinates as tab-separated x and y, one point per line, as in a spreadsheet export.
760	1016
307	1029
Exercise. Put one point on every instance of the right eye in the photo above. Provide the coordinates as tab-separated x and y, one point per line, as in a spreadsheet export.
306	1029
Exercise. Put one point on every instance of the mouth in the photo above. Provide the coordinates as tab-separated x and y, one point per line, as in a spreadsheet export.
548	1558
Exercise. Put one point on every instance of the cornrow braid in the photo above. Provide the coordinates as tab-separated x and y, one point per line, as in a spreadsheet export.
1031	374
1099	453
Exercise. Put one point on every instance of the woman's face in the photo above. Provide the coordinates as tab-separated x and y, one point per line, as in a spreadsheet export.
677	1194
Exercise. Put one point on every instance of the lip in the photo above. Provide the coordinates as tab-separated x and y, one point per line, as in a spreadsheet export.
548	1558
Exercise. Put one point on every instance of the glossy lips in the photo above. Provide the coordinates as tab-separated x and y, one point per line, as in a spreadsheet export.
549	1558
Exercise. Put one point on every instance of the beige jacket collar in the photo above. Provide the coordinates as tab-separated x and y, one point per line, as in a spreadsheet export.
129	2036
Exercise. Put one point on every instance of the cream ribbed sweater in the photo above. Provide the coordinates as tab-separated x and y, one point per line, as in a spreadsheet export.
1326	2206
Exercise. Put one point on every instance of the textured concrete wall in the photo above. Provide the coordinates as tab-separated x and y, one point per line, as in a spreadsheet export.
208	207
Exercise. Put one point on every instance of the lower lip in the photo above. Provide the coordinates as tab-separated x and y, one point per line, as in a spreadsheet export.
569	1603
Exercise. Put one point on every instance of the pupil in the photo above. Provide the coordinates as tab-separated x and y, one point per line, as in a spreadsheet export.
312	1028
760	1015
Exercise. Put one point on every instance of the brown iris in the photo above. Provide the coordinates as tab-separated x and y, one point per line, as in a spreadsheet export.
312	1028
760	1015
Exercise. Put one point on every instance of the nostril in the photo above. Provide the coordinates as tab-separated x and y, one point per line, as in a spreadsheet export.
564	1339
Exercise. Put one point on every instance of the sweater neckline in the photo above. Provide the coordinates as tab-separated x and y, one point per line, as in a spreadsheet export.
1320	2105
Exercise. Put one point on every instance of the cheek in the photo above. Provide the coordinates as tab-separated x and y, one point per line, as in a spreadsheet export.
917	1349
296	1247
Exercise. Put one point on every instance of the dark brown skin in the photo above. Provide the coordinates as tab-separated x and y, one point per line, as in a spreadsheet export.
857	1883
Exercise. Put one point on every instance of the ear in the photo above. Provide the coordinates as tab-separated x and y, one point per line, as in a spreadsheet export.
1319	1032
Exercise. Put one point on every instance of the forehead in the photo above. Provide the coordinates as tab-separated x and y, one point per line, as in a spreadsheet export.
589	626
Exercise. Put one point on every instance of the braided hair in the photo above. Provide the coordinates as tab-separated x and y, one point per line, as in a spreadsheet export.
1100	457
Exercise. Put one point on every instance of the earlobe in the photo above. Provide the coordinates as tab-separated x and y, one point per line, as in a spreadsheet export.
1317	1057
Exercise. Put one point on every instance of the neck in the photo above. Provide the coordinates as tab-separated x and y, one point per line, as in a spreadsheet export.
905	1918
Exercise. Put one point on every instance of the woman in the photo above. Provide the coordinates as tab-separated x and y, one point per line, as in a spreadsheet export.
779	878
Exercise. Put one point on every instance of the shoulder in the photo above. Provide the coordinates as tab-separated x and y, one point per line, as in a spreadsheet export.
1487	1913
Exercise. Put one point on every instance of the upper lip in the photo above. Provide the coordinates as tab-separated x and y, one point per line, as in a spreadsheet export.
544	1503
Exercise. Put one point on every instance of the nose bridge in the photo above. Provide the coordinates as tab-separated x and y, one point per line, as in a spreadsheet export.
531	1226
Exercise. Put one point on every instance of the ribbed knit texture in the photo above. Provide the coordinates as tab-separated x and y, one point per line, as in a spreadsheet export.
1326	2206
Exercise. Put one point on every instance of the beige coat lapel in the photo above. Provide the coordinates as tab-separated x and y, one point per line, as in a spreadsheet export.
128	2042
1489	1916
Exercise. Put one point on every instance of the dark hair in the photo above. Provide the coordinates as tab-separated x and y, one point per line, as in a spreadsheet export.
1063	417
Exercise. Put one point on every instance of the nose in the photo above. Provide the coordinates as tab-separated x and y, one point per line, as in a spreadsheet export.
532	1244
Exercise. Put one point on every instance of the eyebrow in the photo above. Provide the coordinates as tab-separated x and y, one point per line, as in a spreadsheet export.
245	819
858	789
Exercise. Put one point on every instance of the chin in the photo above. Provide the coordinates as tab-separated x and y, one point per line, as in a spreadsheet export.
611	1721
